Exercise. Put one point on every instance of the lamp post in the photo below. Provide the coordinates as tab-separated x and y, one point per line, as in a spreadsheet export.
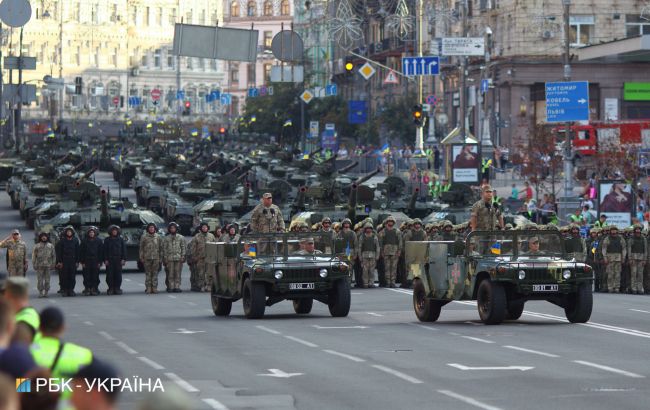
568	168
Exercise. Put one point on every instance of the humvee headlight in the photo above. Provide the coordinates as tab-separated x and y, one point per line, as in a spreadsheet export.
522	274
566	274
278	274
323	273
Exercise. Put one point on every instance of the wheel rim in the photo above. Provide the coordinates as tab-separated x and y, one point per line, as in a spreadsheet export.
420	300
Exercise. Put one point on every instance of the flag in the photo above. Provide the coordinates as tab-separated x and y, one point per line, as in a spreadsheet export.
50	133
385	149
594	247
118	156
348	252
253	118
288	123
496	248
149	125
194	132
252	251
128	121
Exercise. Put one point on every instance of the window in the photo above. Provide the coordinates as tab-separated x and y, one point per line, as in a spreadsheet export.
213	64
159	16
234	73
581	31
172	17
144	60
170	59
268	8
250	74
203	18
114	13
251	9
133	17
234	9
189	62
147	16
156	58
267	73
268	39
214	19
94	14
636	26
188	17
284	8
114	57
202	64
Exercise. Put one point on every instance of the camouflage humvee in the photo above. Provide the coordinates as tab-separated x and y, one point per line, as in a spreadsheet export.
500	270
264	269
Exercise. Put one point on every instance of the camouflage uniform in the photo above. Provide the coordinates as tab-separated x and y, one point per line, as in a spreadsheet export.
173	258
16	256
390	240
346	247
487	216
150	255
591	244
368	254
43	261
203	269
194	287
414	234
575	247
266	220
637	253
614	251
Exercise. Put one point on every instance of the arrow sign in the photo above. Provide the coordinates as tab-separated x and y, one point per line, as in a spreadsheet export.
567	101
463	367
184	331
279	373
340	327
429	65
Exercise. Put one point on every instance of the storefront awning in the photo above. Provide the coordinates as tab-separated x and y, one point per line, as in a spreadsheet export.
629	50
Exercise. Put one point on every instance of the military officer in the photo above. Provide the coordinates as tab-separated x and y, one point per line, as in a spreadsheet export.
485	215
16	254
203	269
43	261
614	252
173	257
114	252
533	246
91	257
637	253
150	255
575	246
368	254
390	241
67	261
266	216
307	247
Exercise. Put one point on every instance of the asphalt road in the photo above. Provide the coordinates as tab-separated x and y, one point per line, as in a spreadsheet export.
379	357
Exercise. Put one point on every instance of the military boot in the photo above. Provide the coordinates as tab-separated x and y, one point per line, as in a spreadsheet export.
147	290
86	292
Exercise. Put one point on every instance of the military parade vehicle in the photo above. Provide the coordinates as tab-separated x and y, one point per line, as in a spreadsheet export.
501	271
264	269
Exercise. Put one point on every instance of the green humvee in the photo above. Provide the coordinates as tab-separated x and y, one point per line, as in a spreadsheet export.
264	269
501	270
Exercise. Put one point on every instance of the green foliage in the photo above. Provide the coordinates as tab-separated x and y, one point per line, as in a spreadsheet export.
397	121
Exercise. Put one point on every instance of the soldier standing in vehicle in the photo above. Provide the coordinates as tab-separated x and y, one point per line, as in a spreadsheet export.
67	261
614	252
485	215
415	234
43	261
16	254
114	251
203	270
173	257
575	246
390	240
150	255
637	253
91	260
266	216
368	254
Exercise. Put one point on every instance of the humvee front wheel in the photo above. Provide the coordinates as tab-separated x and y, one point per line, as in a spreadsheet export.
579	305
303	306
254	299
426	309
491	302
515	310
339	299
221	306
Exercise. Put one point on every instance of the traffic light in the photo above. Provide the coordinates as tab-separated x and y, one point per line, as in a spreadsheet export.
349	67
78	85
417	115
222	131
188	106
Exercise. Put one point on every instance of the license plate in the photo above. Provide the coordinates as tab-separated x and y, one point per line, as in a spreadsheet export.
545	288
301	286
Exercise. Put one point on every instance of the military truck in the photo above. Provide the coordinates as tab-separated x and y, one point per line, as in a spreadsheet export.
264	269
501	271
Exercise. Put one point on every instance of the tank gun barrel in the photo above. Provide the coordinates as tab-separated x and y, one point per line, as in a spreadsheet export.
245	197
63	159
232	171
75	169
348	167
414	198
366	177
242	176
86	175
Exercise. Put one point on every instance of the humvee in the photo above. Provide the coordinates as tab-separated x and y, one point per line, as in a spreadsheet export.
501	270
264	269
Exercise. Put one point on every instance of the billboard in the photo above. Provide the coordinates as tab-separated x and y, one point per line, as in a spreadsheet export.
617	202
465	163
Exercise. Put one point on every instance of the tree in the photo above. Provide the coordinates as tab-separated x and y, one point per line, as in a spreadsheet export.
397	121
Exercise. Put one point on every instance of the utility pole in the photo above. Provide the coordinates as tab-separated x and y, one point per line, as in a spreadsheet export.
419	131
568	167
463	69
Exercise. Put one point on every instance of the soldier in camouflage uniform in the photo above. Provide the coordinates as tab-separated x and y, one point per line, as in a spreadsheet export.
390	241
416	233
173	257
637	253
150	255
447	233
368	254
203	269
16	254
326	245
646	272
591	244
231	235
194	287
267	217
485	216
614	252
348	248
575	246
43	261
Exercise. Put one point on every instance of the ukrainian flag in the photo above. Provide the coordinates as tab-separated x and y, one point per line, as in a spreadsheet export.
594	247
496	248
118	157
385	148
252	251
194	132
348	251
149	125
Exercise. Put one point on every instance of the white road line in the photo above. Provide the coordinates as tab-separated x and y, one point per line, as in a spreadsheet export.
424	326
181	383
400	291
266	329
401	375
345	356
468	400
638	310
127	280
191	303
477	339
150	363
521	349
126	348
609	369
469	322
106	335
304	342
374	314
356	293
215	404
172	296
89	323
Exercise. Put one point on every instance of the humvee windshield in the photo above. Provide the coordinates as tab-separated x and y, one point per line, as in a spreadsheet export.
515	244
286	245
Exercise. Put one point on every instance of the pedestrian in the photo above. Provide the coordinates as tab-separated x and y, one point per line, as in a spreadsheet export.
27	320
114	252
637	253
266	216
390	242
67	261
16	254
369	252
199	255
43	261
514	192
614	251
528	191
173	257
150	255
91	257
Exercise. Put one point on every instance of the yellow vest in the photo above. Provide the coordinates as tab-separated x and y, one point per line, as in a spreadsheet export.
71	359
30	317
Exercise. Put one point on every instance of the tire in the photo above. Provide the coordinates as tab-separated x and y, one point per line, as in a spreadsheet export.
426	309
220	306
491	302
254	299
339	299
303	306
579	305
514	310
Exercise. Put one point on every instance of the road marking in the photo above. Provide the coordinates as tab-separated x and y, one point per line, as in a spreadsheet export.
183	331
609	369
463	367
345	356
397	374
171	296
469	322
468	400
304	342
106	335
521	349
215	404
356	293
89	323
126	348
266	329
181	383
400	291
191	303
340	327
638	310
477	339
127	280
374	314
280	374
424	326
150	363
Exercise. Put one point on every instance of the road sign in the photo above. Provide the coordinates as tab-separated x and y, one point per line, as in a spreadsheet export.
426	107
135	101
367	71
330	126
463	46
429	65
307	96
116	101
314	128
15	13
253	92
155	94
485	85
431	100
331	90
567	101
14	63
226	99
180	95
391	78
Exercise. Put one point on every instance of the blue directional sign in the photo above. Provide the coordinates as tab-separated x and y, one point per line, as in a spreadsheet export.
330	90
357	112
135	101
429	65
180	95
253	92
485	84
567	101
214	95
226	99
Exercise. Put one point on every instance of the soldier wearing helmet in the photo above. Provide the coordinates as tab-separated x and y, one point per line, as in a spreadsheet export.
637	252
326	243
150	256
593	260
189	250
369	252
67	261
348	246
390	242
447	233
203	269
574	246
114	258
614	251
173	257
91	260
43	261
